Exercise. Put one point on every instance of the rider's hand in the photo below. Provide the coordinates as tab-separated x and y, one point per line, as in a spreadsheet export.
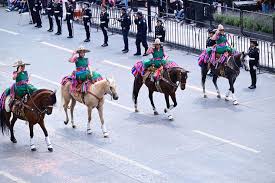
255	67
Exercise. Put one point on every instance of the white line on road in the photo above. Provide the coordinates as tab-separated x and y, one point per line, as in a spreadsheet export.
7	31
227	141
116	64
45	79
58	47
11	177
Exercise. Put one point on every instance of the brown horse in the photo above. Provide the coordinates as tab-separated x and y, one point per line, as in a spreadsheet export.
230	70
166	85
33	111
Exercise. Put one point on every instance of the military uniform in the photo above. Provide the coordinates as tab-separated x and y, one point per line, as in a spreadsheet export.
50	12
160	33
87	15
36	10
70	18
141	36
253	53
58	13
125	25
104	21
210	42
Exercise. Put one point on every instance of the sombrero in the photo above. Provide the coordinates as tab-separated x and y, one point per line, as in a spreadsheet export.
81	48
157	42
20	63
220	27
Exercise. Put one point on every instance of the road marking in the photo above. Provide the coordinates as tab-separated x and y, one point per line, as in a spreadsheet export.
58	47
227	141
116	64
120	106
7	31
45	79
11	177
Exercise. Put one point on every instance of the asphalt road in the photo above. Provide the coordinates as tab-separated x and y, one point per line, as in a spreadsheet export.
210	140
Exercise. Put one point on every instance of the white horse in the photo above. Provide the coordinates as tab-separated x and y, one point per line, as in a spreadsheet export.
93	98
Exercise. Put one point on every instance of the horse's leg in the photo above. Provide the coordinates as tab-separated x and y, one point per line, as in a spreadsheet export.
174	99
103	127
33	148
215	77
235	101
167	110
137	85
47	139
204	71
13	139
65	106
89	131
73	102
152	102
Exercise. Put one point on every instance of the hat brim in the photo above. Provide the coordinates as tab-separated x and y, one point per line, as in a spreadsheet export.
82	50
17	65
157	43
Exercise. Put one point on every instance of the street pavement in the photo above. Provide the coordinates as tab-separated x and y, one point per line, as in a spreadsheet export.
210	140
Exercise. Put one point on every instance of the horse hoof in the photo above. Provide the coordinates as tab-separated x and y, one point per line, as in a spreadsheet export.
136	110
66	122
218	96
235	102
33	149
226	99
50	149
74	126
89	131
204	96
156	113
13	140
170	117
165	110
105	135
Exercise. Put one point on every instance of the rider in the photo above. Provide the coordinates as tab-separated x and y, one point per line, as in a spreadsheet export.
222	47
159	59
82	72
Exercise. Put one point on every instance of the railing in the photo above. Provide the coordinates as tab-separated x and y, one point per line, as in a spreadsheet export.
190	37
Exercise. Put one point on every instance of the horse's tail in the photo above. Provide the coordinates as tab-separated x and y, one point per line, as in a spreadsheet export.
3	121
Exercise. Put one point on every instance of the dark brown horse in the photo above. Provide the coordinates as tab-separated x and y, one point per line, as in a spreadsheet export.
33	111
166	85
230	70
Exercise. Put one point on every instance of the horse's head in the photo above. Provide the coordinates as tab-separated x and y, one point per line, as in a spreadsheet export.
180	75
111	90
240	60
47	101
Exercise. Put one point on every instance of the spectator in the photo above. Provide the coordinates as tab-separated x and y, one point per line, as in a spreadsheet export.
265	6
160	31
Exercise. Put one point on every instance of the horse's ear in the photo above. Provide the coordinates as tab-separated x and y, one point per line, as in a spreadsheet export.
55	91
187	71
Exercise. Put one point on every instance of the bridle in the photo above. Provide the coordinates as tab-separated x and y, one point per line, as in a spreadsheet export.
169	80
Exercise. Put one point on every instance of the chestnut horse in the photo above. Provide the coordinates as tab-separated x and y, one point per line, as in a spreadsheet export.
166	85
32	109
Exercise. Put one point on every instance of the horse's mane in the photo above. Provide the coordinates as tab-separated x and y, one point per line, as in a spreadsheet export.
40	91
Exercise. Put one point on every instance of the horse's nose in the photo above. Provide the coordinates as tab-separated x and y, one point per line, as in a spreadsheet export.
115	97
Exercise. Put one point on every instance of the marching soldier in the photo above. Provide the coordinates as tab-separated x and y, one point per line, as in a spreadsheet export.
104	21
50	12
58	13
253	54
87	15
160	31
125	25
31	8
141	36
36	10
70	18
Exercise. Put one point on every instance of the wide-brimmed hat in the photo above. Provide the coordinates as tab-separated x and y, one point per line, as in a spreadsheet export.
254	41
82	48
139	13
210	30
220	27
160	21
157	42
20	63
87	3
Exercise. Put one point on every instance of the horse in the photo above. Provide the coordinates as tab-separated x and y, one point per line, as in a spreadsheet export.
230	71
166	85
94	98
33	109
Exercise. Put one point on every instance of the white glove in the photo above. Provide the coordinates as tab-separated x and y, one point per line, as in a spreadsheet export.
59	18
254	67
71	21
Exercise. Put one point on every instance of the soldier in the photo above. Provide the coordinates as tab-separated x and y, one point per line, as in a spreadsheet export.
87	15
160	31
70	18
104	20
125	25
50	12
141	36
253	54
58	13
210	42
31	8
36	10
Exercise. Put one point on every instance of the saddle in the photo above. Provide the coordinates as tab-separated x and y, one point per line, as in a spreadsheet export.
154	73
17	105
